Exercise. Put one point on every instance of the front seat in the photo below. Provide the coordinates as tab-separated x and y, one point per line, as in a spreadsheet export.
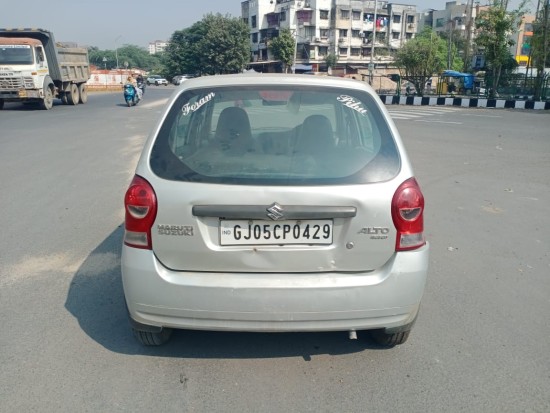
233	132
315	136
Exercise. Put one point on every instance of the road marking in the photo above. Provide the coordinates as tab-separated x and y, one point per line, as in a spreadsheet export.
437	121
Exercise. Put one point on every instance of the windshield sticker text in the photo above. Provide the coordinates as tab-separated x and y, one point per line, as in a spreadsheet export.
187	108
352	104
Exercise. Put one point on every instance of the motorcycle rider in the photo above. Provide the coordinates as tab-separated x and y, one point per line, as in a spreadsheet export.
134	83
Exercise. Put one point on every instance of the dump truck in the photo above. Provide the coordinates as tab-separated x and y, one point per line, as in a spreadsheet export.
34	68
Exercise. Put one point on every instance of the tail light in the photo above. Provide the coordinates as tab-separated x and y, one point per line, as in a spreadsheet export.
407	210
140	204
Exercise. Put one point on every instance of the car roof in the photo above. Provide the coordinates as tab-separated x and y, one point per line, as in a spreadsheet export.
251	79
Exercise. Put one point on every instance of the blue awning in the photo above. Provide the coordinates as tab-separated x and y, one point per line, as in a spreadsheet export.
468	77
302	67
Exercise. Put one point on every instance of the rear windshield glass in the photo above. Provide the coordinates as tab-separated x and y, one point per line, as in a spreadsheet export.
275	136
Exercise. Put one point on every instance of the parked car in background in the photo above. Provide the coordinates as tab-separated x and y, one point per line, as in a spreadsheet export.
179	79
274	203
157	80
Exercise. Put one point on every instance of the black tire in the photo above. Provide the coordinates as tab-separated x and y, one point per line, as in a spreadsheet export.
1	104
73	95
129	102
153	339
389	340
47	102
64	99
83	93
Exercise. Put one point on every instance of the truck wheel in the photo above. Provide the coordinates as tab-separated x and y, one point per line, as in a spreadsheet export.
64	99
47	102
72	96
1	104
83	92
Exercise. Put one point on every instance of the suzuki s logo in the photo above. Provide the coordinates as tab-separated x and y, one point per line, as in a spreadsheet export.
275	212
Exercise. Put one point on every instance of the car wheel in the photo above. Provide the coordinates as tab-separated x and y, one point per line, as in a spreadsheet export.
153	339
389	340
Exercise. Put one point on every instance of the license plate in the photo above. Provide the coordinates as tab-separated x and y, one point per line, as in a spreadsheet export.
258	232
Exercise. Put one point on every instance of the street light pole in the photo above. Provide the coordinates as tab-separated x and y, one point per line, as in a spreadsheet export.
371	65
116	50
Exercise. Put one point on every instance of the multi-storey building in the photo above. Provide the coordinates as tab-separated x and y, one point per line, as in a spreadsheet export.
522	38
157	46
321	27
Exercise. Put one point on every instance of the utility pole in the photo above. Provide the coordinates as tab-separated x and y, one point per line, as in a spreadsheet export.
371	64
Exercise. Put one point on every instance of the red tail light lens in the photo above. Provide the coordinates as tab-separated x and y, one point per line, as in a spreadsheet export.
140	204
407	210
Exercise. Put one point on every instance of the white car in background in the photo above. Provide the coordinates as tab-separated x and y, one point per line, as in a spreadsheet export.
274	203
157	80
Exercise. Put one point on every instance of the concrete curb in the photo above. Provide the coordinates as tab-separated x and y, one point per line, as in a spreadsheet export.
464	102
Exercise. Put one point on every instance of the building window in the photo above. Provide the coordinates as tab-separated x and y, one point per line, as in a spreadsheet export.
245	20
356	51
254	37
323	14
356	15
323	51
396	18
344	14
408	36
395	35
410	19
282	16
323	32
343	32
253	21
309	31
343	51
356	33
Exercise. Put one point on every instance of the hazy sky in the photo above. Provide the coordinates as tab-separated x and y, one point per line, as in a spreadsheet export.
111	23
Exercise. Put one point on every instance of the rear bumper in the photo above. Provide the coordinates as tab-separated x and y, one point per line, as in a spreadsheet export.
386	298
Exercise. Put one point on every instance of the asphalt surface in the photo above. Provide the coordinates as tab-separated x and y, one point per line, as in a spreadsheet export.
481	343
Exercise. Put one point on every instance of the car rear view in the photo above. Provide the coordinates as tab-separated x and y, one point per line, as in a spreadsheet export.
274	203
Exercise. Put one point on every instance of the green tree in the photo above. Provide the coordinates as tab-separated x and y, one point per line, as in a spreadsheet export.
282	48
422	57
494	27
217	44
331	60
137	57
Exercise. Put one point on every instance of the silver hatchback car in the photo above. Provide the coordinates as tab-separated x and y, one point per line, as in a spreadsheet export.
274	203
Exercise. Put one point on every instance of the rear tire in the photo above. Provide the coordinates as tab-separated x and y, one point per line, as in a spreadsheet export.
389	340
73	96
129	103
83	92
47	102
153	339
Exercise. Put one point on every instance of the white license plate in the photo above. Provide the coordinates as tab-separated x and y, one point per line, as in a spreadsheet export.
258	232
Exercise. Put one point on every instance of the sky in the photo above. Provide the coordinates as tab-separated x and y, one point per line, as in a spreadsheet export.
108	24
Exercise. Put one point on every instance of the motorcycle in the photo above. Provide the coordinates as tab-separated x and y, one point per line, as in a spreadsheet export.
131	95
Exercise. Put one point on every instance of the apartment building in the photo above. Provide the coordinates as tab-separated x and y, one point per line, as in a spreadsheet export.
344	28
157	46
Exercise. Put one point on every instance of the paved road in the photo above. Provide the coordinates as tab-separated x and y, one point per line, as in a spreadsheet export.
480	345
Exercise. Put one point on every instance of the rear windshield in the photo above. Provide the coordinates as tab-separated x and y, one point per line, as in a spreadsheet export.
275	136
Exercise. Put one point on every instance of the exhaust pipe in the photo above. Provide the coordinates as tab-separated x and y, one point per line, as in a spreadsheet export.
353	335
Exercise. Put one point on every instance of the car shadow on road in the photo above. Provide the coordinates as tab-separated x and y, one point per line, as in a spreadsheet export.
96	300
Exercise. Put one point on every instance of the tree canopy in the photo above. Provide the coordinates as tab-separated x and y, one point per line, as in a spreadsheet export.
137	57
215	45
422	57
282	48
494	27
